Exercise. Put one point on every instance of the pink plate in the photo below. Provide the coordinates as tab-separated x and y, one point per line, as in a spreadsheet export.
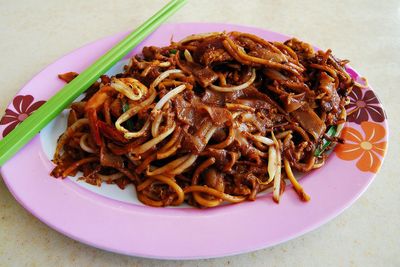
187	233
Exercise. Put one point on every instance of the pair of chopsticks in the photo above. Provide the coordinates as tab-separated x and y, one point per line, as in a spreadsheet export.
24	132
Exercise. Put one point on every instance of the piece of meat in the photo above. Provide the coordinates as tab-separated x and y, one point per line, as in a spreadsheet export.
68	76
211	51
205	76
151	52
110	160
213	56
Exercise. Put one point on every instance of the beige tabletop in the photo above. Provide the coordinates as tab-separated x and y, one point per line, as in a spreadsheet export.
35	33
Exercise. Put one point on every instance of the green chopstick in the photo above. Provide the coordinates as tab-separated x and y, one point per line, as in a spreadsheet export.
25	131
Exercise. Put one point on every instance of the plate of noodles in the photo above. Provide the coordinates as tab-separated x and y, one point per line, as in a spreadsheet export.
207	140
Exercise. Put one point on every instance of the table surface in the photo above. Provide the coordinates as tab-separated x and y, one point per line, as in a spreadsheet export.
367	32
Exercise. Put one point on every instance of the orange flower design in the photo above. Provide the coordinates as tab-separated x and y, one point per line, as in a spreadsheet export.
366	149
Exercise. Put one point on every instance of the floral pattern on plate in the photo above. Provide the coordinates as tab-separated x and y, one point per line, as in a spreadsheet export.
366	148
23	105
364	106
